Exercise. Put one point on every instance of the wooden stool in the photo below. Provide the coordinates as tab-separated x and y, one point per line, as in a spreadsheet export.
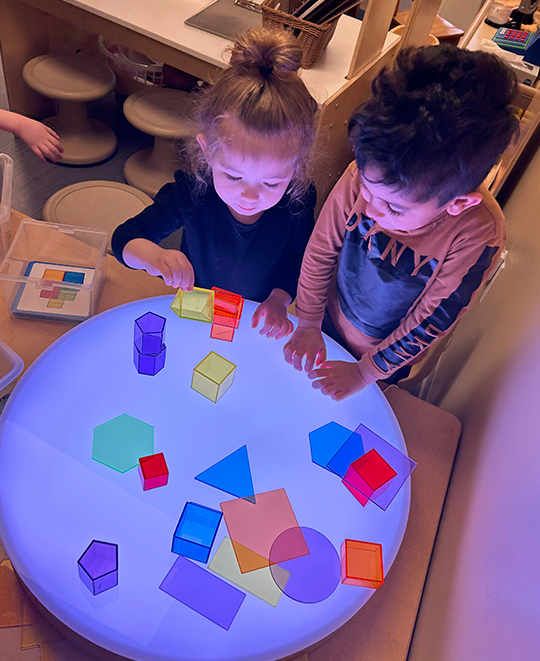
164	114
101	204
72	81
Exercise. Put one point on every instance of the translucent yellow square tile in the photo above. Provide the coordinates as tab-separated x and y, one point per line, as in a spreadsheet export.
213	376
197	304
55	303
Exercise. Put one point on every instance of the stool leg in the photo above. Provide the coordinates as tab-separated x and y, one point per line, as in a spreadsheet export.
150	169
84	140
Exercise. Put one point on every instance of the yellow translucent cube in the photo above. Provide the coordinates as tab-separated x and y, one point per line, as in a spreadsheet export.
197	304
213	376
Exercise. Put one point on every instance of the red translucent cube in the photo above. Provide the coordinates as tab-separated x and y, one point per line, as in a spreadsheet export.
367	474
153	471
361	564
219	332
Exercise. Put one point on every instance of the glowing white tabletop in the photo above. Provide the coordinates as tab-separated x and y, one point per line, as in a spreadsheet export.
54	499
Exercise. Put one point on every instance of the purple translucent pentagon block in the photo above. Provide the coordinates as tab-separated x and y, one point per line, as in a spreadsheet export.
98	566
202	591
150	333
149	363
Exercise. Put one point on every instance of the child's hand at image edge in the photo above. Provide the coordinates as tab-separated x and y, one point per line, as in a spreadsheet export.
337	378
274	312
307	340
41	139
172	265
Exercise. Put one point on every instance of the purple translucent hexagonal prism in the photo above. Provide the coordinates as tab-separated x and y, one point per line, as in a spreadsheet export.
148	346
98	566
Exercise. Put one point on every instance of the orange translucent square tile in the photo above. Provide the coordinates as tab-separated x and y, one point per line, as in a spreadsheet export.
254	527
53	274
361	564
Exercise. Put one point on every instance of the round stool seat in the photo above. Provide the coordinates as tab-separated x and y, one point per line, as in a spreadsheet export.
166	114
69	77
161	112
72	81
101	204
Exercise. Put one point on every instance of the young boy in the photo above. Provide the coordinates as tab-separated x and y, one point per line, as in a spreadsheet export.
409	233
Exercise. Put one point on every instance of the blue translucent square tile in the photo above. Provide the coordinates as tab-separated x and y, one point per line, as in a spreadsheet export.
196	531
75	278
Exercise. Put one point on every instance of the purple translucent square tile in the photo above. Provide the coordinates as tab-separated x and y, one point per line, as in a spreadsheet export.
149	333
149	363
202	591
98	566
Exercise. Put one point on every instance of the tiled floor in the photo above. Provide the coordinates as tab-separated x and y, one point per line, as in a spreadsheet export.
35	182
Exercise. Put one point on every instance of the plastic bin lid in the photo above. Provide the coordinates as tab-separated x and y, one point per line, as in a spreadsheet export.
11	365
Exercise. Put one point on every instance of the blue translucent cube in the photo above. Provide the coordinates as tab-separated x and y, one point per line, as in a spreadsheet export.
196	531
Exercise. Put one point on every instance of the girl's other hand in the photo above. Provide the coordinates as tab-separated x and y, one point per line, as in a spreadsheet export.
172	265
274	312
306	341
337	378
42	140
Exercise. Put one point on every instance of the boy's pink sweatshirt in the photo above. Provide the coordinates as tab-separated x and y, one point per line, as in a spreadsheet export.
390	293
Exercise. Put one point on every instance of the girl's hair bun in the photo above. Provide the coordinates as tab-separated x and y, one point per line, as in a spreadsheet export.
266	52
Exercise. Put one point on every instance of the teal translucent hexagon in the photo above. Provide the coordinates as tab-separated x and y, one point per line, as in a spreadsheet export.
120	442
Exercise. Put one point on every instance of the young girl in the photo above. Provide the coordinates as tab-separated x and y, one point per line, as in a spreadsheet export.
246	208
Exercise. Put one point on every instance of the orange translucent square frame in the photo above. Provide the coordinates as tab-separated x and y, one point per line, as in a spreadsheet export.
227	308
361	564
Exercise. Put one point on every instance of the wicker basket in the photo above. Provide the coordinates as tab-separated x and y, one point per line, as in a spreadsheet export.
313	38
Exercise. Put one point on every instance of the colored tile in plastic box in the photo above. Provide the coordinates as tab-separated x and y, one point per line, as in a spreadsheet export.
368	474
153	471
259	583
98	566
149	333
149	363
399	462
313	577
350	451
231	474
253	528
218	332
53	274
361	564
66	294
196	531
120	442
49	293
74	277
203	591
326	441
213	376
55	303
197	304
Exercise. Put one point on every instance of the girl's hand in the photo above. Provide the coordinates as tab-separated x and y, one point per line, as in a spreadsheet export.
274	312
306	341
42	140
337	378
172	265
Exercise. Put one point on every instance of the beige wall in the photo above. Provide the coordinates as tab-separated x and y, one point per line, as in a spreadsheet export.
460	12
482	598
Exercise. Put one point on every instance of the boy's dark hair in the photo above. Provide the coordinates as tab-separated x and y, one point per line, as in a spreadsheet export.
437	121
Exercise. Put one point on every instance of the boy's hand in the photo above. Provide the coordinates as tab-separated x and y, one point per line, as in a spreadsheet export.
274	312
42	140
306	341
172	265
337	378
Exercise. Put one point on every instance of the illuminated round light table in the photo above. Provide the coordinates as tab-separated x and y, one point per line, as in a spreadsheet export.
54	499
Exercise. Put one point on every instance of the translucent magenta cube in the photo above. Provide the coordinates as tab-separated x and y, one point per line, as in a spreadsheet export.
153	471
197	304
213	376
367	474
98	566
361	564
196	531
149	363
150	333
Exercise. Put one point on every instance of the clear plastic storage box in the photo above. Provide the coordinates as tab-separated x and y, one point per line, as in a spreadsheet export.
11	365
6	186
54	271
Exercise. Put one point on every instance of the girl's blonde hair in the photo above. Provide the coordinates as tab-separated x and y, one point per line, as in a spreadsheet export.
262	91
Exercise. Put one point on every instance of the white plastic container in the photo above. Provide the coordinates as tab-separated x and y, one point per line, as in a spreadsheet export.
6	187
53	271
11	365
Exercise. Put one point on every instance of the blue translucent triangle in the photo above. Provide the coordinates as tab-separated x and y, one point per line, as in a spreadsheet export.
326	441
232	475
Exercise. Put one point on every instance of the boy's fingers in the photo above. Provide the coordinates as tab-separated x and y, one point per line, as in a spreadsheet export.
256	317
